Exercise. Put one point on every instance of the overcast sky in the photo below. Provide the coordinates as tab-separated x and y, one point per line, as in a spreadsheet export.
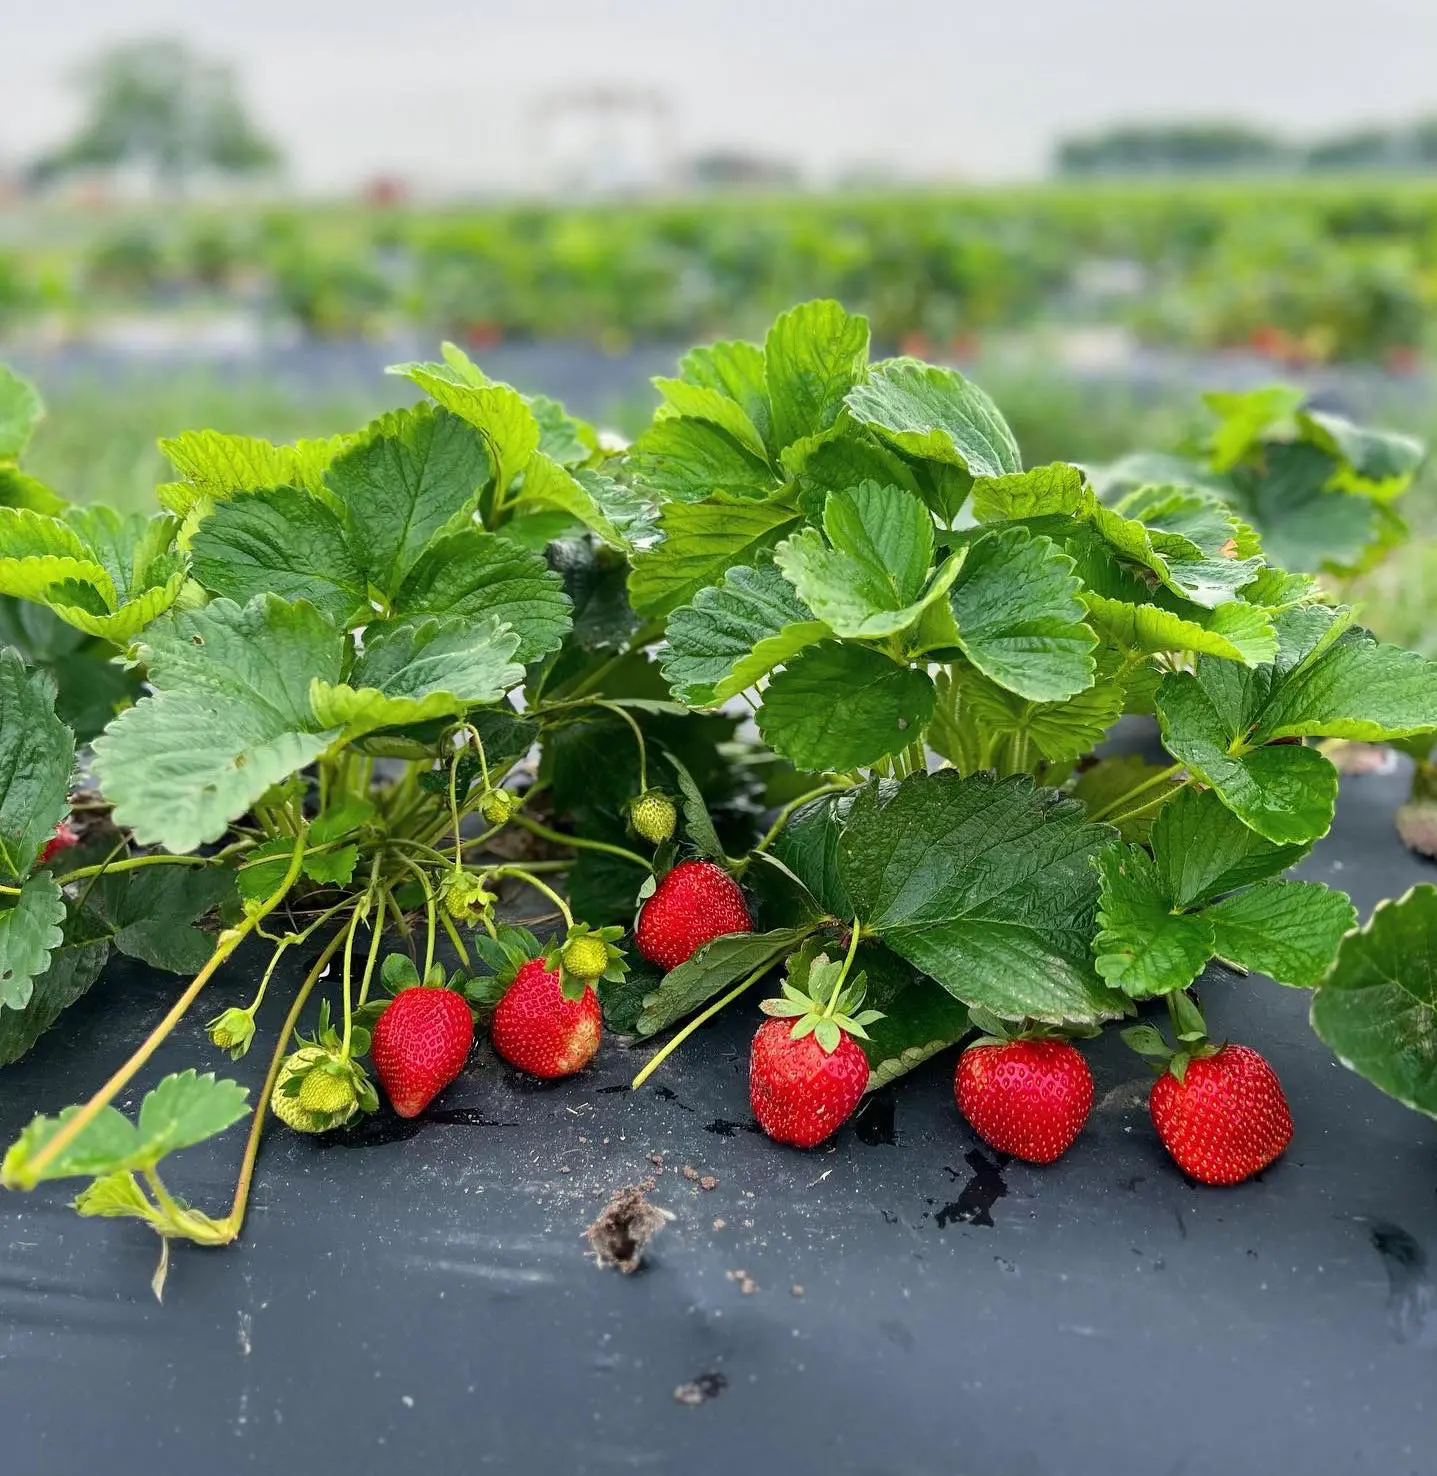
444	91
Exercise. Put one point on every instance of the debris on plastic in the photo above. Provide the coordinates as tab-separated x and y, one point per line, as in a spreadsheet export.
707	1386
623	1230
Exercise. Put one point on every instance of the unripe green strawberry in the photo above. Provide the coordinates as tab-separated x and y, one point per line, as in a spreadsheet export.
499	806
324	1092
465	897
586	957
653	816
287	1104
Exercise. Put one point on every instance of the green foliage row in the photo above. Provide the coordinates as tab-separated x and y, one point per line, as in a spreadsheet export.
1338	270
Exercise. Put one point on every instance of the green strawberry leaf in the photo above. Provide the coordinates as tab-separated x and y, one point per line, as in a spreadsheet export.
1203	850
1288	930
935	414
150	913
1234	631
984	884
29	933
1327	681
808	846
1377	1007
473	575
230	715
733	634
1020	621
870	582
74	966
978	721
1144	946
214	466
919	1018
735	369
884	707
21	410
701	542
691	460
507	427
415	472
1207	889
712	969
181	1110
37	760
1057	490
814	355
284	541
411	673
585	495
691	401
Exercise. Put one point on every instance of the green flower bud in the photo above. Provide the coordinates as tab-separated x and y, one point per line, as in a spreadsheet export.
232	1031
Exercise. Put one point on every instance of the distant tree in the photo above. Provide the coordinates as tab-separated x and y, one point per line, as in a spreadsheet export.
156	104
1362	148
1163	148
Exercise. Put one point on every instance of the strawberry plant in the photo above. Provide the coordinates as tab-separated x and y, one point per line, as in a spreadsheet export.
942	640
373	686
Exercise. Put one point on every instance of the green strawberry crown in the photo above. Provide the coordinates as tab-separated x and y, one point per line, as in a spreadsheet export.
653	816
994	1030
1190	1030
586	956
820	1003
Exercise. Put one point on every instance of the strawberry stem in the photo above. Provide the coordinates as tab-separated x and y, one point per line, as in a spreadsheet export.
520	873
1123	801
786	813
578	842
677	1040
234	1221
229	940
854	934
429	909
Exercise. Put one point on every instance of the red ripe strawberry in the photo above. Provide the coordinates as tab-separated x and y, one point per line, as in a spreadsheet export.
800	1093
692	905
64	837
420	1045
539	1029
1029	1098
806	1071
1226	1120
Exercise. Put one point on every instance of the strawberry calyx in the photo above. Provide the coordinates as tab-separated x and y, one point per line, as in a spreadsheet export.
1189	1029
993	1030
822	1001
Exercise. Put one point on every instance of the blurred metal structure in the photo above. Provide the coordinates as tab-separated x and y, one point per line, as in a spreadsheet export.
603	141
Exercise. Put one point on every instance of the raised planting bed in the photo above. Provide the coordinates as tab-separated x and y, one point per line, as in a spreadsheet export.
421	1293
471	725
